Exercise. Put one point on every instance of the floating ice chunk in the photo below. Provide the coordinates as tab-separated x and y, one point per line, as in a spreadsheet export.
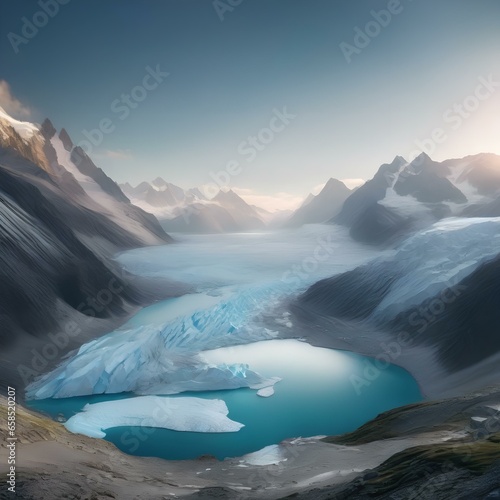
270	455
266	392
178	414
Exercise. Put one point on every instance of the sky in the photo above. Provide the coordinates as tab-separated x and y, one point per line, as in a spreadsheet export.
268	97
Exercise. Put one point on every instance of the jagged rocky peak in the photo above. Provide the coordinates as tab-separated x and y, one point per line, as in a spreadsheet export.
26	139
423	179
66	140
334	186
87	167
47	129
159	182
228	195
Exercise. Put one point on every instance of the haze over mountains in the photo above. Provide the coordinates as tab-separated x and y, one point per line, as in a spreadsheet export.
191	211
404	197
401	197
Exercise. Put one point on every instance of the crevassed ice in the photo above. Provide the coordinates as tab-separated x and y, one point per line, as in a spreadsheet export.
437	258
163	359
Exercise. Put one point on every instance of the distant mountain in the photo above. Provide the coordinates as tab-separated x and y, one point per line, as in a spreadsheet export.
404	196
189	210
309	197
245	216
159	194
321	208
226	212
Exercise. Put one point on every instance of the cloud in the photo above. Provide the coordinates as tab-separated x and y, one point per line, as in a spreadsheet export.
353	183
272	202
316	189
10	104
116	154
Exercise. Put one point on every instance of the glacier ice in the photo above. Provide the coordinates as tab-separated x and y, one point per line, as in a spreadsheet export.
163	359
437	258
212	261
157	352
178	414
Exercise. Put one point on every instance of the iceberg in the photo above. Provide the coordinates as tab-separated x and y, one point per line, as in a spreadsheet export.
179	414
266	392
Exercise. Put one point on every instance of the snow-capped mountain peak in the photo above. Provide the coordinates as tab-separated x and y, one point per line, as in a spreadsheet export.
26	130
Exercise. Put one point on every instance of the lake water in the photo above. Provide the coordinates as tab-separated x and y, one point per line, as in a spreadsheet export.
235	276
316	396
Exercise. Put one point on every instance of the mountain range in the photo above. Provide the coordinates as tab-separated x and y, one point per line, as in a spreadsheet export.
191	211
430	304
405	196
401	197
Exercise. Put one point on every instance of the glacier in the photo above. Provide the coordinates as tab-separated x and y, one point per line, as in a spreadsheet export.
162	358
424	265
239	299
178	414
437	258
238	283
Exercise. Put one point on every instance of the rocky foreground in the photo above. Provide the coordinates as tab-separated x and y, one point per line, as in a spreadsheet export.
432	450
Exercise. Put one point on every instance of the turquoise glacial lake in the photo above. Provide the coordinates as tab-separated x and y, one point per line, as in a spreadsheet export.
322	392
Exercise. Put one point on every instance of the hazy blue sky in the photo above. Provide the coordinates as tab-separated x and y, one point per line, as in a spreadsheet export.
227	77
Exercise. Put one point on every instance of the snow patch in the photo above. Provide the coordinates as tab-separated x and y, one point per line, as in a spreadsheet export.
270	455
